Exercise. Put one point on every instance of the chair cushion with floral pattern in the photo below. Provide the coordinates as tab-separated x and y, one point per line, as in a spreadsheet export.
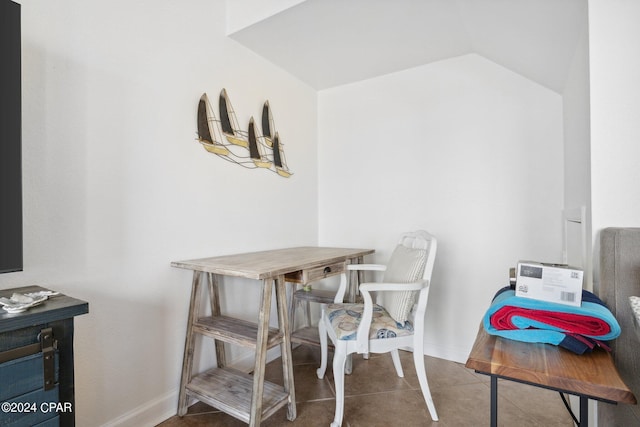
345	319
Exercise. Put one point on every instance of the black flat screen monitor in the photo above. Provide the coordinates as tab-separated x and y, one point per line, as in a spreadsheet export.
10	139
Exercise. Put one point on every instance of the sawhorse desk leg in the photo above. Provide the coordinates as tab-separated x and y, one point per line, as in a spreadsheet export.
187	361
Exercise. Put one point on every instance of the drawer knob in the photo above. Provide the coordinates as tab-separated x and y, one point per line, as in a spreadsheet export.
327	270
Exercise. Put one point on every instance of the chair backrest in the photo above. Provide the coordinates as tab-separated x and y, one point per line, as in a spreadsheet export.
422	240
412	260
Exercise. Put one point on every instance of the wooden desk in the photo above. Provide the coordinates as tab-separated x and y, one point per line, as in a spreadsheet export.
589	376
250	398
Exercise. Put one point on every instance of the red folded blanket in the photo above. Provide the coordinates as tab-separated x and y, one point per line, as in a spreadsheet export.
566	322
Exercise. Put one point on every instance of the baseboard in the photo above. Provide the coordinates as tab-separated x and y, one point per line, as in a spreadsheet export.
458	355
149	414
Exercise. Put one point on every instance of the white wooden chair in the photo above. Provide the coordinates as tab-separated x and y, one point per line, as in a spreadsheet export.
397	324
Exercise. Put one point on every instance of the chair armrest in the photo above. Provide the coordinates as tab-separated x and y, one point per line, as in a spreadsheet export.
388	286
366	267
342	289
362	337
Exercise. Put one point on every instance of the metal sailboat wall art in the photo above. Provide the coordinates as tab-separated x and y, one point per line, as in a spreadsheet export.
248	148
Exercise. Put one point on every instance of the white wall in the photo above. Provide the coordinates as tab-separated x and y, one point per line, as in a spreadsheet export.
463	148
615	108
614	66
615	63
116	186
577	153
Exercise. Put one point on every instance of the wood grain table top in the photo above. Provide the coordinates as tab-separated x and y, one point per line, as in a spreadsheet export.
271	263
591	374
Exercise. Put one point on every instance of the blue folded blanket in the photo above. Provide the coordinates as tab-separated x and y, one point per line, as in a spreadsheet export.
578	329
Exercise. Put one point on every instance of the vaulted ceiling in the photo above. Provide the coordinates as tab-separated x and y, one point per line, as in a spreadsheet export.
328	43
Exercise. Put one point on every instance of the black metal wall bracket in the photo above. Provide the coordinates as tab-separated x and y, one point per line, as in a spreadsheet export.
47	346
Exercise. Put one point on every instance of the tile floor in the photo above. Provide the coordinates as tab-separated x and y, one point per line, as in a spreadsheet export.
375	396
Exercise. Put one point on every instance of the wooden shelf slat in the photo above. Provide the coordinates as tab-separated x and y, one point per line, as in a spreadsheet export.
235	331
315	295
230	391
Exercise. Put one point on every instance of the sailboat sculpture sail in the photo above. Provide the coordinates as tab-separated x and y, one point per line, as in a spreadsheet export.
207	129
267	124
278	158
229	122
256	149
273	141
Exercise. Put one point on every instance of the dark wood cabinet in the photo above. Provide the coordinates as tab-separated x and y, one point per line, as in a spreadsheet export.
36	362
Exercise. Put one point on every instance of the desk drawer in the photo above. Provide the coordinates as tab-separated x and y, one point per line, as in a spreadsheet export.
317	273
